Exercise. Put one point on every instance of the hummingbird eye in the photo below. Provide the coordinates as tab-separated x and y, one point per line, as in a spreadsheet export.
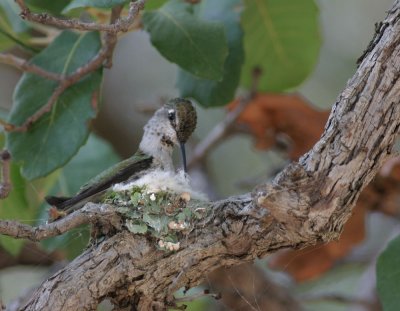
171	115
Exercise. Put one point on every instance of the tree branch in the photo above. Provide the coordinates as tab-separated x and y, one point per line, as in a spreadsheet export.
122	24
90	214
308	202
24	65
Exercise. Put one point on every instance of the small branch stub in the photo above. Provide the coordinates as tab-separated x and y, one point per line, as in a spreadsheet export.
5	185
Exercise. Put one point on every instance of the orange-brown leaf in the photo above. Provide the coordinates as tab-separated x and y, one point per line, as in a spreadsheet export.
268	116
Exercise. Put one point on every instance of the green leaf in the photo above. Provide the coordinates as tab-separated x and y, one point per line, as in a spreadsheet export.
5	41
195	45
52	6
208	92
388	276
154	4
171	237
181	217
11	10
133	214
105	4
136	227
12	27
53	139
158	222
135	198
152	220
281	37
188	212
93	158
16	207
8	40
154	208
38	188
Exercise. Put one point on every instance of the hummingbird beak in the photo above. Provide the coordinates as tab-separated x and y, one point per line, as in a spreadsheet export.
183	156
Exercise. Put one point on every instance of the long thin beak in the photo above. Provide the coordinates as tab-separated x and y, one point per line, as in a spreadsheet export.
183	157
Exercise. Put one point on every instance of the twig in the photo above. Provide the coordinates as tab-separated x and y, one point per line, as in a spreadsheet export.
122	24
111	38
5	185
104	56
24	65
90	213
224	128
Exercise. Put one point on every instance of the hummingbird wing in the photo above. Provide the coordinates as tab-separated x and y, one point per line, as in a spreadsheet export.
120	172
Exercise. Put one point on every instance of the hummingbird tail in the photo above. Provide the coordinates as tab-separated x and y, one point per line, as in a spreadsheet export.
56	201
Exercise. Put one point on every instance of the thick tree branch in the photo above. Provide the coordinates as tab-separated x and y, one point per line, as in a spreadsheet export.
307	203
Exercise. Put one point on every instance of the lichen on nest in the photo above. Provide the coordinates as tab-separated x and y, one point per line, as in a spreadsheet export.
161	205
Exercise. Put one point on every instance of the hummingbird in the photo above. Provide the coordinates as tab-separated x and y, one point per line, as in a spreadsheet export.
170	126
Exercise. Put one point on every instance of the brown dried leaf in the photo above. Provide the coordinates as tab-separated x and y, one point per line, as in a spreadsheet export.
269	116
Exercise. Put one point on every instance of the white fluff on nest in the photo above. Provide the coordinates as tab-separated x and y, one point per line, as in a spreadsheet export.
160	180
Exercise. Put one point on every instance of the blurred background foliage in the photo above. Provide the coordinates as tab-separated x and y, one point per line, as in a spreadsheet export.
303	46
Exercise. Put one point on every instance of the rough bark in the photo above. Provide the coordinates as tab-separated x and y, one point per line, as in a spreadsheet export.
307	203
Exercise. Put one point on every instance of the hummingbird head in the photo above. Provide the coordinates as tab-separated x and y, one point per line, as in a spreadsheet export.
171	125
182	117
